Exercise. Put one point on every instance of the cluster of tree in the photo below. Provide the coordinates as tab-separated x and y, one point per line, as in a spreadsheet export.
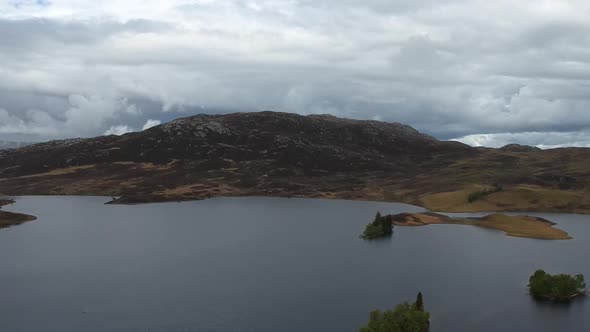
404	318
559	287
381	226
474	196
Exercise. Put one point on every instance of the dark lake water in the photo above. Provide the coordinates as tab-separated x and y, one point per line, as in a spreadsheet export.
268	264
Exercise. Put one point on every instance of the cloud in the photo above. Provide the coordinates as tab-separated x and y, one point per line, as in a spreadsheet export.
92	111
75	115
151	123
543	140
452	69
118	130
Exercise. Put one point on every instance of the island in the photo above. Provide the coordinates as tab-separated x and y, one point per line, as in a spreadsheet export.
382	226
8	219
556	288
518	226
404	318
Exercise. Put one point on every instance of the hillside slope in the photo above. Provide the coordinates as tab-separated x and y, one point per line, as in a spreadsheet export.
282	154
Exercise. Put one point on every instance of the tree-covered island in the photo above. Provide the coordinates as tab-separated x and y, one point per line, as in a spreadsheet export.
557	288
404	318
381	226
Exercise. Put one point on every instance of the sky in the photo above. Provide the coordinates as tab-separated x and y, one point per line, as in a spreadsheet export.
478	71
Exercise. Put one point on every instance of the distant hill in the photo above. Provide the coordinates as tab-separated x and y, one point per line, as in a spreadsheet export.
519	148
12	145
283	154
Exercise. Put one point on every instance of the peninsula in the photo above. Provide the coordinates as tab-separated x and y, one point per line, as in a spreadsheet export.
518	226
8	219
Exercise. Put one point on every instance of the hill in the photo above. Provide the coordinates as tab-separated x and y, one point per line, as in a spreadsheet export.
12	145
283	154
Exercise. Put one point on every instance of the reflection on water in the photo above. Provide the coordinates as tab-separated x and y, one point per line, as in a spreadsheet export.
268	264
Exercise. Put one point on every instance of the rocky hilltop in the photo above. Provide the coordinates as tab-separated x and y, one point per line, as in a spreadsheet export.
283	154
520	148
306	143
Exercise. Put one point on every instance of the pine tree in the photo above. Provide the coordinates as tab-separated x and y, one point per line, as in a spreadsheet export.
419	305
377	220
388	224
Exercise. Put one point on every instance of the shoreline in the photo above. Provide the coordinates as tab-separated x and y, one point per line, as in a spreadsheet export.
152	199
6	201
552	299
515	226
155	199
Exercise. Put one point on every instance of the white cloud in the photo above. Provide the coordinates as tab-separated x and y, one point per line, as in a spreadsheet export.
543	140
435	65
119	130
151	123
39	123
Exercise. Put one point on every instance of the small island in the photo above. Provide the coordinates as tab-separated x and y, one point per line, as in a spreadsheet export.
556	288
382	226
518	226
404	318
8	219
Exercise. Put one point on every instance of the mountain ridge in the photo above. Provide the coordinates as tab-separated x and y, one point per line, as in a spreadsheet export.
290	155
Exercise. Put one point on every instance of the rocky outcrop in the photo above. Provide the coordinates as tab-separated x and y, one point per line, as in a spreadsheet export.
520	148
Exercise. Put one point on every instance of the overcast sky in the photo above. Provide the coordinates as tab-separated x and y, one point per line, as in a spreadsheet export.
484	72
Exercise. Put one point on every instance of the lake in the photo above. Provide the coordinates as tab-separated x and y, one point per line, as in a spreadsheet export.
269	264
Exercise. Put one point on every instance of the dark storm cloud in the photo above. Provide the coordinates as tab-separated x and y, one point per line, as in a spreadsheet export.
499	71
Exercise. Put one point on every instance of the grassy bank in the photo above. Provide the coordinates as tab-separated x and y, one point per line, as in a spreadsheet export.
518	198
519	226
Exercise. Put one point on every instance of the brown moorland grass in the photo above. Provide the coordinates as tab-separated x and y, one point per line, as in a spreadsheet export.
518	198
522	226
518	226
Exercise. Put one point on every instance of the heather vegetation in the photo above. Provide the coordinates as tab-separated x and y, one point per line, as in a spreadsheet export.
288	155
